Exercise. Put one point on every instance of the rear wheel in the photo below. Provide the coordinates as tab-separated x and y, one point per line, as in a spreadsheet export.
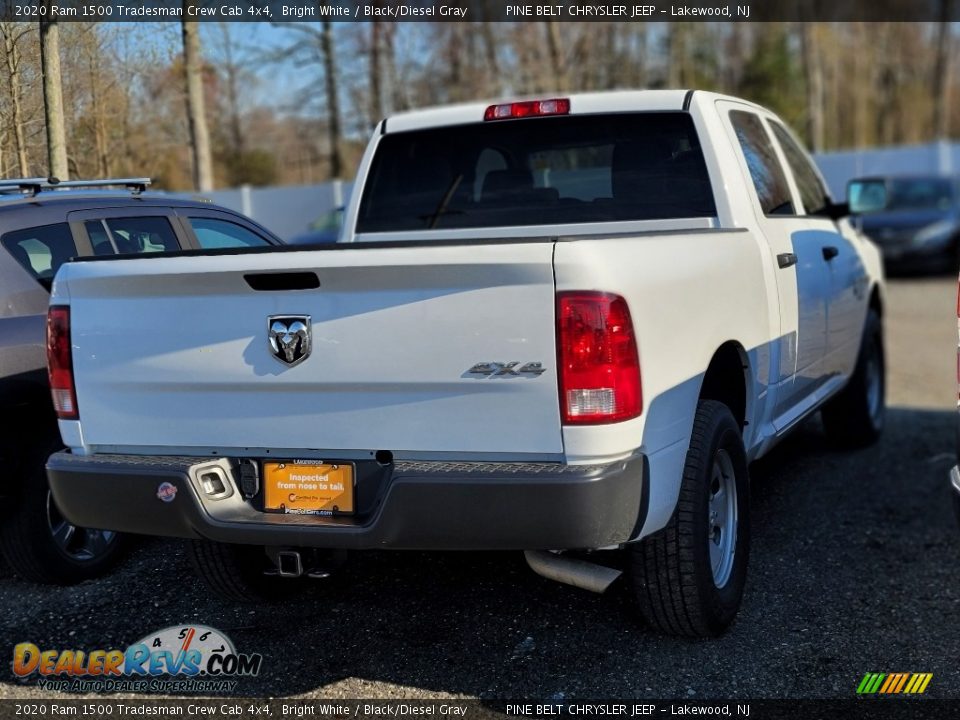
238	572
854	418
688	578
40	544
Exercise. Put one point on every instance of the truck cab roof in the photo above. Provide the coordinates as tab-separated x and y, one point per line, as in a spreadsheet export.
611	101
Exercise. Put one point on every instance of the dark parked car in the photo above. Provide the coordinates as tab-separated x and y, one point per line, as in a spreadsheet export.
43	224
914	220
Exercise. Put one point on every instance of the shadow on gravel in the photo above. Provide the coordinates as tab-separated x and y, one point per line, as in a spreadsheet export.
853	569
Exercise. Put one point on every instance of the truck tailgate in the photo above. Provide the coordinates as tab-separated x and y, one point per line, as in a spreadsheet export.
174	352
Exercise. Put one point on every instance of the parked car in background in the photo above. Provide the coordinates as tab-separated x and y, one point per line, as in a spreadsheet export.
915	220
42	225
325	229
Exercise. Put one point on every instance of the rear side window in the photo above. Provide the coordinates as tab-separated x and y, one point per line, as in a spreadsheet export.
41	250
812	192
533	171
769	180
131	235
213	234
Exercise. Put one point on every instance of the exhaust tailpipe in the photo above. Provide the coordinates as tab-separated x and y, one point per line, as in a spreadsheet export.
570	571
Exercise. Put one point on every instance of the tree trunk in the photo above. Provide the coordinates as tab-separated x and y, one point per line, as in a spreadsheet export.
941	73
196	114
677	59
494	85
557	66
12	55
813	69
376	78
93	51
333	99
233	96
53	99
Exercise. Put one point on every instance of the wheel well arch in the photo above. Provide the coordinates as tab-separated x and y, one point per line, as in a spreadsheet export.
727	379
876	300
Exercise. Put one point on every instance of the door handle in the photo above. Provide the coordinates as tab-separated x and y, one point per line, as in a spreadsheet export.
785	260
830	252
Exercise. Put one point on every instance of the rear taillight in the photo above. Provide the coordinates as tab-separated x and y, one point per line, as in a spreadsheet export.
60	363
598	360
531	108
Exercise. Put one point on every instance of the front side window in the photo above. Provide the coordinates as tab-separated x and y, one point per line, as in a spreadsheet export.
42	250
812	192
213	234
536	171
768	177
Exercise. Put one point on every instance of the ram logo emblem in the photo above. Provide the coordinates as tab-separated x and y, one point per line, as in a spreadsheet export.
289	338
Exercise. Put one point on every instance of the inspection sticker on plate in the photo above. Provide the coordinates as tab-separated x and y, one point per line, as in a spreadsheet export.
307	487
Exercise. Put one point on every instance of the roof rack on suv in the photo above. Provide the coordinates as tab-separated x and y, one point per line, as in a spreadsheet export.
32	186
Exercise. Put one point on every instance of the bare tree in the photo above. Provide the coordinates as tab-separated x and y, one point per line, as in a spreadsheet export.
557	65
231	69
53	99
196	114
941	72
813	71
333	100
376	71
12	34
318	46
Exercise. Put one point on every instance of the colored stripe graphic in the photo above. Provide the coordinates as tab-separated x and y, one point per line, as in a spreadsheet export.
894	683
903	680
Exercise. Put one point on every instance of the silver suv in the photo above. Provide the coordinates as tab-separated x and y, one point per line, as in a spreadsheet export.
44	223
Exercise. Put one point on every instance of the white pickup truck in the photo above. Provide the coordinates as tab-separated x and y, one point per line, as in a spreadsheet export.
560	325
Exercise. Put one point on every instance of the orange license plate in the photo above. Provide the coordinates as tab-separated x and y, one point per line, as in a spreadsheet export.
308	488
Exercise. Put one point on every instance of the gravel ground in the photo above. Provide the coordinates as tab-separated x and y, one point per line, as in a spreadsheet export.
853	569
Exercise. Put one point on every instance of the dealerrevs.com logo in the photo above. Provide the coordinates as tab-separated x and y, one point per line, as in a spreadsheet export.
180	658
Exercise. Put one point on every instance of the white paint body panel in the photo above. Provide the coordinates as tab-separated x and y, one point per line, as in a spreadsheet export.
171	354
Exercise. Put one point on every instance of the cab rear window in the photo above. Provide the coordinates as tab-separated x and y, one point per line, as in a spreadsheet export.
533	171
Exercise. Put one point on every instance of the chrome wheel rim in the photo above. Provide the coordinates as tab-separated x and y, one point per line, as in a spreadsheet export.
77	543
722	518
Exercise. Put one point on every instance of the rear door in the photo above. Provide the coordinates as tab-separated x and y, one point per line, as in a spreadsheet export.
803	279
129	231
847	299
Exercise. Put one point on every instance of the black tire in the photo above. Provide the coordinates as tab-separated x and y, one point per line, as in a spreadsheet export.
672	572
236	572
28	534
855	417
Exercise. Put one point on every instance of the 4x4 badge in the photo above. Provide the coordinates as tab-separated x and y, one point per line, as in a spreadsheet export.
289	338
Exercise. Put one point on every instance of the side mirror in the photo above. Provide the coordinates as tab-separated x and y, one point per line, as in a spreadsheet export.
866	196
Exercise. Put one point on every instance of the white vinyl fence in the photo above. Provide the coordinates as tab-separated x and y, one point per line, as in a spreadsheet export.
941	158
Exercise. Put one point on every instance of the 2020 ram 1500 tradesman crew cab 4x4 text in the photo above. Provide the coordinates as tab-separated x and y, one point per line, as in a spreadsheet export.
561	324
